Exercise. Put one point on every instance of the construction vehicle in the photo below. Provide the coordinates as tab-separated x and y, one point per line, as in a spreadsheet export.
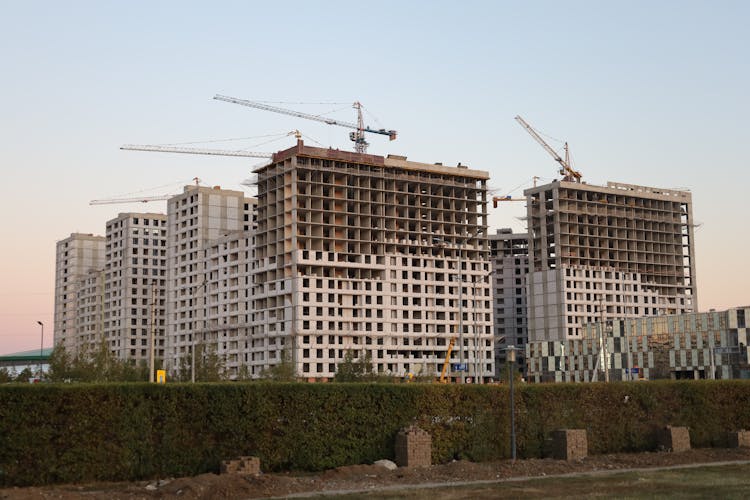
358	136
568	173
447	360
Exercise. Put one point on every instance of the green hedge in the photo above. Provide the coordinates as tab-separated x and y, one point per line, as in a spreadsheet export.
74	433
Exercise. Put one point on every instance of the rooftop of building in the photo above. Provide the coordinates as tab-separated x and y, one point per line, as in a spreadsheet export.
210	190
388	161
616	188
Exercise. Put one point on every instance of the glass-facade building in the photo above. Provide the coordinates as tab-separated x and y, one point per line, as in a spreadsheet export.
709	345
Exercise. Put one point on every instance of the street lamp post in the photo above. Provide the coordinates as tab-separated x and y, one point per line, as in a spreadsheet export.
442	243
41	349
511	372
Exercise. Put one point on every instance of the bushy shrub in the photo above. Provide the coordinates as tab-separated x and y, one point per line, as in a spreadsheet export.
70	433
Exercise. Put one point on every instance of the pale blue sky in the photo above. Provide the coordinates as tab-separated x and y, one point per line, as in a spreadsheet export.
650	93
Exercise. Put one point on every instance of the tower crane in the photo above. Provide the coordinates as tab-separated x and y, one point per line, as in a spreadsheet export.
507	197
496	199
194	151
142	199
358	136
203	151
568	173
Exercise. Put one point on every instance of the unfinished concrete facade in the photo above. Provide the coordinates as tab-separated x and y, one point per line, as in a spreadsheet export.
134	279
599	253
382	257
196	220
76	256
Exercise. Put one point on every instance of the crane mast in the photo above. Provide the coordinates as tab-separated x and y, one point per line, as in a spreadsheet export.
568	173
358	136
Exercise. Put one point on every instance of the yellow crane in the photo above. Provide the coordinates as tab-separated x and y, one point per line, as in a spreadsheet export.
496	199
447	360
568	173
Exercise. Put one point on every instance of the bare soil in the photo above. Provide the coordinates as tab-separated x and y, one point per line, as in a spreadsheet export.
365	477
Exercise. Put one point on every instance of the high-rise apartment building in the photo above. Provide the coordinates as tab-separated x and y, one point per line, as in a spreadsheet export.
196	220
607	252
510	265
76	256
228	308
135	285
90	314
381	257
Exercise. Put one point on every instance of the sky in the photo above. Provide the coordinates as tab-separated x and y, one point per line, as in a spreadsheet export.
651	93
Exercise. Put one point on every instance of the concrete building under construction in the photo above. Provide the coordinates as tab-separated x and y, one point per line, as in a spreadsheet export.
510	259
378	256
197	220
607	252
79	259
135	282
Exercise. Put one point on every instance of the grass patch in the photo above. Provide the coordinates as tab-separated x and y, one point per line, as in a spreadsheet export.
726	482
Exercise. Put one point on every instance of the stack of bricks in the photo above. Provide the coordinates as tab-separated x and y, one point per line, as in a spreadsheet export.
242	465
674	439
569	444
739	439
413	447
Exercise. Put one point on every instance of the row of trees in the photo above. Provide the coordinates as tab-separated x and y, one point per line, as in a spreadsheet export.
7	376
100	365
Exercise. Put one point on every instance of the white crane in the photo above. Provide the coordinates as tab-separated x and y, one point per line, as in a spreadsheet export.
140	199
143	199
194	151
568	173
358	137
203	151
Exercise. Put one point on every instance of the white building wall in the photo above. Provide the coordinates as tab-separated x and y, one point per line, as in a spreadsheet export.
196	219
136	264
75	257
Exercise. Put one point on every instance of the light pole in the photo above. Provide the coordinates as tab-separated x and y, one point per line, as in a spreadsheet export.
461	301
41	349
479	379
442	243
203	330
511	350
153	333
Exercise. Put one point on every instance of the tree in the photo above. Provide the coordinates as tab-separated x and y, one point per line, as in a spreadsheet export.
209	366
97	366
243	373
25	375
5	375
359	370
284	371
60	364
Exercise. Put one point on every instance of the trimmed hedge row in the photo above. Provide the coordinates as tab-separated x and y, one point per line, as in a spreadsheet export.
75	433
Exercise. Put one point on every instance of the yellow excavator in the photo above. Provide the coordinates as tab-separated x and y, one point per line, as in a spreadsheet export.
447	360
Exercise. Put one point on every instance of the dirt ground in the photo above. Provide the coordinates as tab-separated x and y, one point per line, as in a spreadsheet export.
363	477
